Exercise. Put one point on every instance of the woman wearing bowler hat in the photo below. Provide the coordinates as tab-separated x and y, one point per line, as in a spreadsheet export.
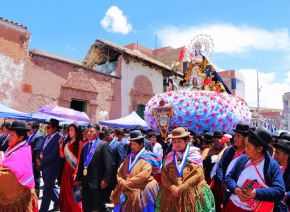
183	185
16	174
137	189
282	156
255	182
227	162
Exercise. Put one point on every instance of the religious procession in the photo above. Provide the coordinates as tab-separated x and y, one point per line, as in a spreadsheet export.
178	138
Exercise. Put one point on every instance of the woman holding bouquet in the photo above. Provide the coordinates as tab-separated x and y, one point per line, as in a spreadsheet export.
255	182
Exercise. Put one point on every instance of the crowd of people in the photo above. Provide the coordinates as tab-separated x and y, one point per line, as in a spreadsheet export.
101	169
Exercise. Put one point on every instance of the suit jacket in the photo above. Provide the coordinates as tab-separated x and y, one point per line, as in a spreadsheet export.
35	143
100	167
4	142
50	163
118	154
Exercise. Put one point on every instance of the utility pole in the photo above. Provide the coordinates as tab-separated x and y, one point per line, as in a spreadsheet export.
258	100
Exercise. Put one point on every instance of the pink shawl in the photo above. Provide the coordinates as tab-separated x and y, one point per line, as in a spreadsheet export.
20	163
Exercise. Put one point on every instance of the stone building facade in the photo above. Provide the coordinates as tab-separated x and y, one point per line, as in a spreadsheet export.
33	78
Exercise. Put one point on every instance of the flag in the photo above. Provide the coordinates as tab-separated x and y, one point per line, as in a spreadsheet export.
182	53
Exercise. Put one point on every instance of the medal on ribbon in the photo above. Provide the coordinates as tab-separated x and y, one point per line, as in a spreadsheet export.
180	167
41	155
85	172
89	155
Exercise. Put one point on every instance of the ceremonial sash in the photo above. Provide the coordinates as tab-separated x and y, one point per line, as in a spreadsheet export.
89	155
31	137
47	141
180	167
9	151
69	156
132	164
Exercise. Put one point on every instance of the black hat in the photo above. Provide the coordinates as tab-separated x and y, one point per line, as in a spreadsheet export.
136	135
242	128
208	137
283	145
18	125
218	134
139	127
285	136
253	128
6	125
261	137
53	122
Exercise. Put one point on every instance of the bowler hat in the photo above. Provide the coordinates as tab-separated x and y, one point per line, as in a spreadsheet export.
285	136
208	137
242	129
53	122
283	145
179	132
6	125
218	134
135	135
18	125
261	137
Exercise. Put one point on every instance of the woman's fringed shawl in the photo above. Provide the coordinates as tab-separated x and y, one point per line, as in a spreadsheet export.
141	187
195	191
14	197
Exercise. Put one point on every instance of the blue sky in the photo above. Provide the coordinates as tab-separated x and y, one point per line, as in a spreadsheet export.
246	34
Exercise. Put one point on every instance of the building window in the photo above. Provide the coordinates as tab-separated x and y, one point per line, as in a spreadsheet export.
108	67
79	105
234	83
140	110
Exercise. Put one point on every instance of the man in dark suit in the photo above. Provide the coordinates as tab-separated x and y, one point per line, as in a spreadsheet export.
48	159
35	139
94	171
118	154
4	137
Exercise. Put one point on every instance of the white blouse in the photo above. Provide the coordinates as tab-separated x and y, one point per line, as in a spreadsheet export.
249	173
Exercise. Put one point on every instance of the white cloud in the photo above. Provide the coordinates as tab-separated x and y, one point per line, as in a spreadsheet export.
228	38
116	21
271	91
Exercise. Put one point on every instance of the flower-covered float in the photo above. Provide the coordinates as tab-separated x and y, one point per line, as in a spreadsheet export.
199	101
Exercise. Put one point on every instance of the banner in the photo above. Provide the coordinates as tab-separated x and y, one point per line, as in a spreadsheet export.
163	116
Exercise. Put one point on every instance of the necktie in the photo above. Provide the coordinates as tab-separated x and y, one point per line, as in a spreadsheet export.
90	146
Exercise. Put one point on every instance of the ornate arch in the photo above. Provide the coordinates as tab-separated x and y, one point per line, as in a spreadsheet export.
141	92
